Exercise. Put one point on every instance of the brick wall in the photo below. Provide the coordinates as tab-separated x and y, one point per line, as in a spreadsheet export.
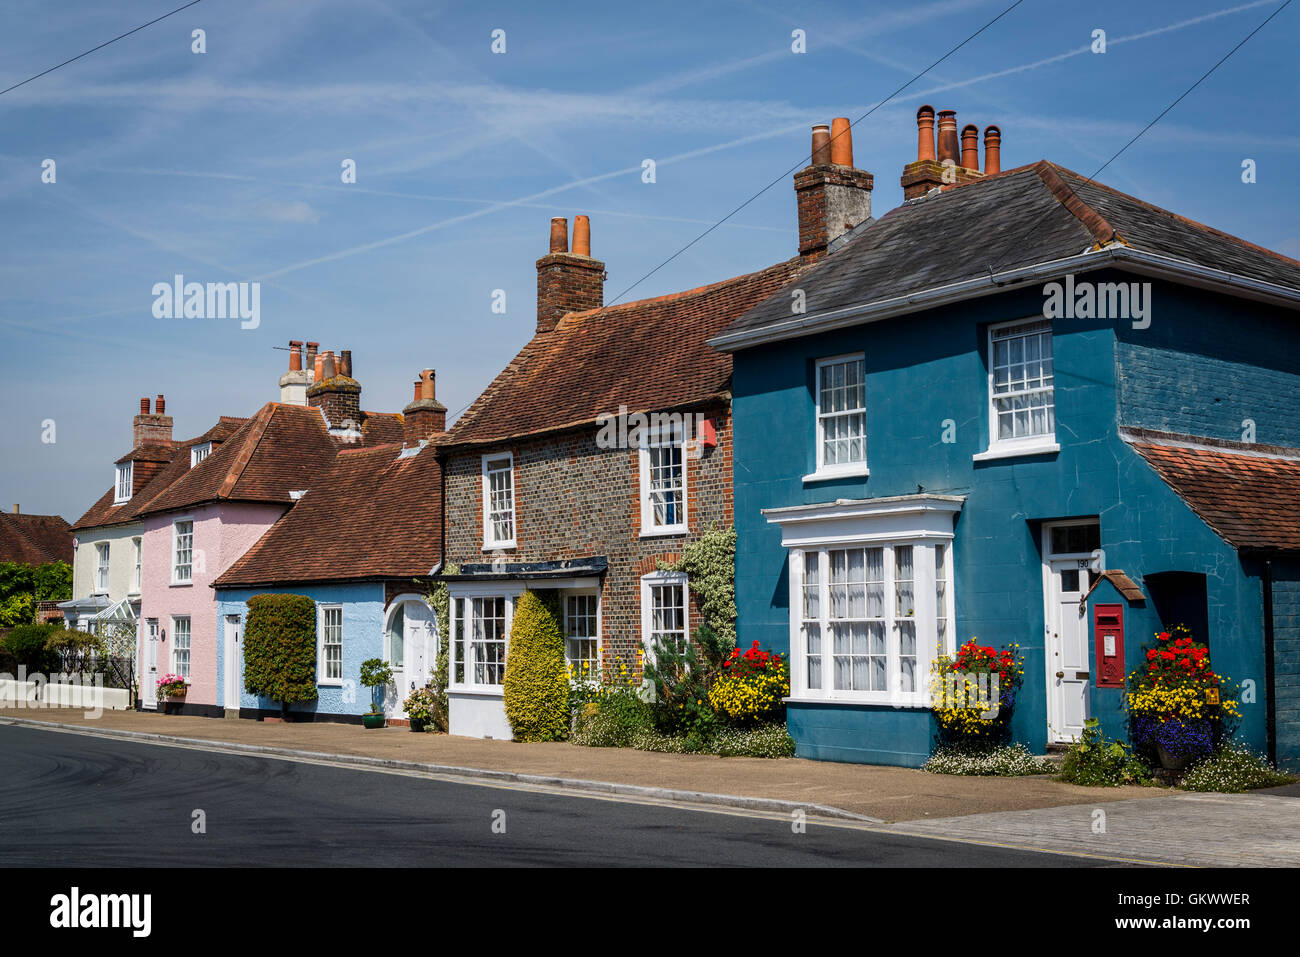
566	283
575	500
1286	661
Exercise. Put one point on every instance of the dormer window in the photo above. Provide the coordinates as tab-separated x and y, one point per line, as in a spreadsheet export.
199	452
123	492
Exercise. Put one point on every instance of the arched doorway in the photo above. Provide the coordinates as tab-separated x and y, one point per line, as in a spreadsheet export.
410	648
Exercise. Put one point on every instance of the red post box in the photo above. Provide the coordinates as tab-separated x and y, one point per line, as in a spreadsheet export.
1108	638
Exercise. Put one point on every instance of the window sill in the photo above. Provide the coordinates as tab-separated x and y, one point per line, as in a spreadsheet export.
914	705
498	546
826	475
1047	447
180	584
664	531
477	691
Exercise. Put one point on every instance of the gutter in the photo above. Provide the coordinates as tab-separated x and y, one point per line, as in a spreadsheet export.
1120	256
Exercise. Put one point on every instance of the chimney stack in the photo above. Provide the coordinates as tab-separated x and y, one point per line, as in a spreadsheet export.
425	417
832	195
992	150
293	384
568	281
151	428
15	508
953	162
337	394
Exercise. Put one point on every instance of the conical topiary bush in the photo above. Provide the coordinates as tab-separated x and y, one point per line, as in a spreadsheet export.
536	683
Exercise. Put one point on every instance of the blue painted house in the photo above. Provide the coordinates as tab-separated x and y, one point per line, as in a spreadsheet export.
362	543
1027	408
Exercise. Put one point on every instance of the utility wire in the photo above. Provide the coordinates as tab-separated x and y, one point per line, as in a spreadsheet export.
100	47
1185	92
799	165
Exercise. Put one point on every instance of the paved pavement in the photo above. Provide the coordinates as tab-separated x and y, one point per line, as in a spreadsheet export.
70	800
1261	829
882	793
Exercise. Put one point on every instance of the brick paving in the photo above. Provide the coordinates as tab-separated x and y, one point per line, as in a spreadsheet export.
1215	830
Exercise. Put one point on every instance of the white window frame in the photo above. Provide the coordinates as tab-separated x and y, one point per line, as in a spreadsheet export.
175	553
594	595
103	555
460	639
322	679
122	482
840	469
917	520
666	436
199	452
189	646
649	583
490	541
137	545
1044	444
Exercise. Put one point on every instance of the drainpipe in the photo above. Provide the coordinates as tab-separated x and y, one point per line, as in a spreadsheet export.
1270	715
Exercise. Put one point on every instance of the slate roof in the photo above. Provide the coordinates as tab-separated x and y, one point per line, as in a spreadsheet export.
647	355
373	514
34	539
1021	217
1249	494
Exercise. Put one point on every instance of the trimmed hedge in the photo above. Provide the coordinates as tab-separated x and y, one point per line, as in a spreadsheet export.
537	682
280	648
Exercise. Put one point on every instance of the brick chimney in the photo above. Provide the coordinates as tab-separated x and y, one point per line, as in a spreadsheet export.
833	196
425	417
568	281
337	394
293	384
151	428
958	157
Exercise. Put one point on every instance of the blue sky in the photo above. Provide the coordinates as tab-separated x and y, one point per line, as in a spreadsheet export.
225	167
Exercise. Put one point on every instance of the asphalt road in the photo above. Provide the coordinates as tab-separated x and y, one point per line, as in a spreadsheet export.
69	800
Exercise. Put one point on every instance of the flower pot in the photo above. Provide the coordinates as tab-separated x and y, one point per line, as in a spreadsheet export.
1172	762
418	725
373	720
174	704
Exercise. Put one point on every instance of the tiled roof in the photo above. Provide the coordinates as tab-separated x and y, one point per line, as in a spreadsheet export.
1249	495
1020	217
281	449
374	514
1126	586
382	428
176	458
34	539
647	355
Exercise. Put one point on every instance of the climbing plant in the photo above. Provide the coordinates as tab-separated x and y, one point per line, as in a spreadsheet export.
439	599
710	564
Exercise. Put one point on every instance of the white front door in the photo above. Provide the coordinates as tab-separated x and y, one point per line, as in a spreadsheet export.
410	653
1068	678
149	688
234	661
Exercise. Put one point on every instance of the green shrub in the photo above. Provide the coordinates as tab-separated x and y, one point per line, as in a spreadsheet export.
280	649
763	741
52	582
536	682
1012	760
27	643
75	649
682	676
1095	762
618	720
1233	770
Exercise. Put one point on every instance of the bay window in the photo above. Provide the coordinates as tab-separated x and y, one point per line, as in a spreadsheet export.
871	596
479	626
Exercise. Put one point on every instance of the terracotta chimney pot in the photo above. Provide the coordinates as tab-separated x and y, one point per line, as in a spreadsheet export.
582	236
559	234
295	355
992	150
841	141
948	149
970	146
318	366
160	405
821	145
144	406
925	134
345	363
419	388
427	384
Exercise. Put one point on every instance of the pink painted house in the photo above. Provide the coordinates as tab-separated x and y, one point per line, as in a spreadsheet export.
217	501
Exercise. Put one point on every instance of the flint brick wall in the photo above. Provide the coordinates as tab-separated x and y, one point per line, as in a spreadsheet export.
576	500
